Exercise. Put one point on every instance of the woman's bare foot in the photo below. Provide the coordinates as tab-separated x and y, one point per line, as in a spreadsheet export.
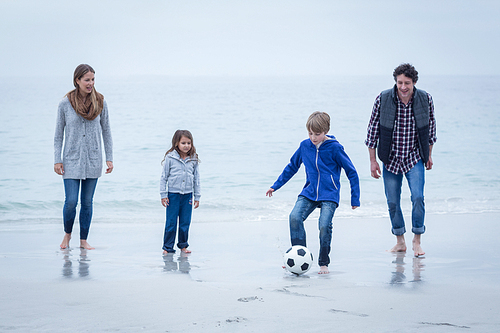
400	245
417	249
323	270
65	242
185	250
85	245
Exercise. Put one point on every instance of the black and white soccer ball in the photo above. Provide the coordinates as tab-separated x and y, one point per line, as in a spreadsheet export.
298	259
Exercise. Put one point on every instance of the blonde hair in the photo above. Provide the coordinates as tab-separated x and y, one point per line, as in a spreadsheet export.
80	71
318	122
175	144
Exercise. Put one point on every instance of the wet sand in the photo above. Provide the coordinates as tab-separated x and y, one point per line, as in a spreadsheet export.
233	280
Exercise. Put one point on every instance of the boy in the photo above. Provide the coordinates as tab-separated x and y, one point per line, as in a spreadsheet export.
323	157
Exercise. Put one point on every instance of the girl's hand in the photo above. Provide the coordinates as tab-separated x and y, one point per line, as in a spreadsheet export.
164	202
196	204
269	192
59	168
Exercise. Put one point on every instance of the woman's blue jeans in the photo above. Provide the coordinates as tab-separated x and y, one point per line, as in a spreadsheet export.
71	189
393	184
303	208
180	207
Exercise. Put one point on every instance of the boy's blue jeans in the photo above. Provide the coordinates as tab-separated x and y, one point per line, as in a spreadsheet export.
179	207
393	184
303	208
71	189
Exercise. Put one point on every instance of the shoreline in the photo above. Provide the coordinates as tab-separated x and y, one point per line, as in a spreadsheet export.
233	280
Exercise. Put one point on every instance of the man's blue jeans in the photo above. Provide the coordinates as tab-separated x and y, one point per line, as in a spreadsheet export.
303	208
180	207
71	189
393	184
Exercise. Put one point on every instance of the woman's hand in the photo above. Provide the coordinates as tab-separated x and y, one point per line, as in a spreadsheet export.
196	204
164	202
110	166
59	168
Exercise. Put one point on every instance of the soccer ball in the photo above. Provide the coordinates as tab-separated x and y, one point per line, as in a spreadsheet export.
298	259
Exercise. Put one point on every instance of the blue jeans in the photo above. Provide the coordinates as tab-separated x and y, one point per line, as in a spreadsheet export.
180	207
393	184
71	189
303	208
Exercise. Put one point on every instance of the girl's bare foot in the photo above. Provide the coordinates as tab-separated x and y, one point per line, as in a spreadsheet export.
323	270
185	250
65	242
85	245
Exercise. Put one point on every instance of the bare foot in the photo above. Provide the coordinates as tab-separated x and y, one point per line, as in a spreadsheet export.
185	250
165	252
417	249
85	245
323	270
400	245
65	242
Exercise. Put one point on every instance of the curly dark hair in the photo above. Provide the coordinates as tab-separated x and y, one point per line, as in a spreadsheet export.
408	70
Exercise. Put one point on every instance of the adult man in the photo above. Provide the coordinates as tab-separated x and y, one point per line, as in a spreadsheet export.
403	129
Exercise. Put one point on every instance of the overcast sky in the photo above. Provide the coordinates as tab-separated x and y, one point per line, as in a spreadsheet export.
249	37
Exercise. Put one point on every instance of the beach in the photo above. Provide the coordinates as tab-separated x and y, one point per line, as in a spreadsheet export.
233	280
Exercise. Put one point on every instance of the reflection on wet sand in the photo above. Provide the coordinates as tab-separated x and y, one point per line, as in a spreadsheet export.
181	264
398	275
83	264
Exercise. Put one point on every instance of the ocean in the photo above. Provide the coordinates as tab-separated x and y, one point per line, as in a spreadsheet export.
245	130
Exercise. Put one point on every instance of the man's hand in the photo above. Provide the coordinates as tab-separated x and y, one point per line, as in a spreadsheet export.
429	164
375	169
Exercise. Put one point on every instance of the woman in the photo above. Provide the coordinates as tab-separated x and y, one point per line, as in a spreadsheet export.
82	119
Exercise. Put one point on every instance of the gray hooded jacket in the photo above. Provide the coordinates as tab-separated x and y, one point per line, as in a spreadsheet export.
180	175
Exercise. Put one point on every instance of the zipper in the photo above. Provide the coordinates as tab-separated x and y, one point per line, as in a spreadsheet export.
333	181
317	188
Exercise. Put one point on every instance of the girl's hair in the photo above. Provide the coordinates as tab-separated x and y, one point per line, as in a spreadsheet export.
175	143
80	71
318	122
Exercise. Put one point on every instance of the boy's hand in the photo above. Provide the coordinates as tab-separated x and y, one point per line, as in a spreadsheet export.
269	192
164	202
354	207
196	204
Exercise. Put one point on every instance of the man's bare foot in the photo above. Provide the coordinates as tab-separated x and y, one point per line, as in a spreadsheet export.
165	253
417	249
185	250
85	245
400	245
65	242
323	270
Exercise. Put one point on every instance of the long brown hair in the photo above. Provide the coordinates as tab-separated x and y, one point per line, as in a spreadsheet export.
80	71
175	144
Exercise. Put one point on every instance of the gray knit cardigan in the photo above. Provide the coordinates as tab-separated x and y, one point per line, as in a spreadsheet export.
82	155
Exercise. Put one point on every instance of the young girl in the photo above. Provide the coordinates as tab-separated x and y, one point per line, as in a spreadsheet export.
180	174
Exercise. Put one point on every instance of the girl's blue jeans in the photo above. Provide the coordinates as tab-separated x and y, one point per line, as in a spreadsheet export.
392	185
303	208
71	189
180	207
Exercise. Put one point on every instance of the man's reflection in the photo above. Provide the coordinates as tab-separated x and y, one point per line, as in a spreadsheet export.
398	275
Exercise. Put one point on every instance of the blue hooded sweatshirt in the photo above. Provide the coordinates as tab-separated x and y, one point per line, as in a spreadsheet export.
323	167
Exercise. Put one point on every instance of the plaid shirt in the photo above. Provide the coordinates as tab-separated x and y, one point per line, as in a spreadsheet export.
404	147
